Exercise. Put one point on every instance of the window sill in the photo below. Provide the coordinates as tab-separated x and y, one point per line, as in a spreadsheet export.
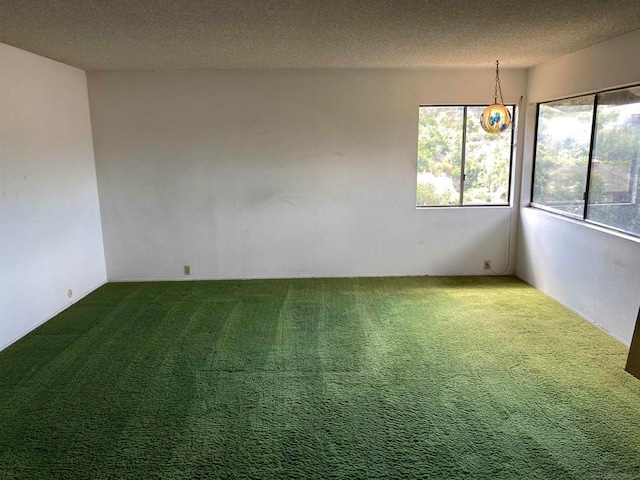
589	225
461	207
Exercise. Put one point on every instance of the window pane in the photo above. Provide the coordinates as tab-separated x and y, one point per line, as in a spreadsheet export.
562	154
439	155
487	163
614	181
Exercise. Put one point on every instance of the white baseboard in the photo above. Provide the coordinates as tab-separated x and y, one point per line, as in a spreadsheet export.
29	330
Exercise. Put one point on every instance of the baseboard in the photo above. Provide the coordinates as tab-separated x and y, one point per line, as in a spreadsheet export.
577	312
302	276
31	329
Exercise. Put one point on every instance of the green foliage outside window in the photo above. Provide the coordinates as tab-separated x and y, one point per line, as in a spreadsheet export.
573	149
486	159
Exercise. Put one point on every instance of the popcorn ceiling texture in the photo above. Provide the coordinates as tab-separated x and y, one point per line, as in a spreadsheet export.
282	34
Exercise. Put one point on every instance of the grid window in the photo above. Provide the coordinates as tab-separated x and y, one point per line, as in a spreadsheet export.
587	162
459	164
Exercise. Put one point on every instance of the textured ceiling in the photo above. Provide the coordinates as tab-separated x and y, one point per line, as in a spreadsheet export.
250	34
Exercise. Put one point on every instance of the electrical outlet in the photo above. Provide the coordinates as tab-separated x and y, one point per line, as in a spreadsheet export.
187	269
487	264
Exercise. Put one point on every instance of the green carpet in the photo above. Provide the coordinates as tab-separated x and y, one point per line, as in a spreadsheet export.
421	377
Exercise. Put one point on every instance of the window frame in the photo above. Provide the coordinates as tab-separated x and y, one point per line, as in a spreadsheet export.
577	218
514	113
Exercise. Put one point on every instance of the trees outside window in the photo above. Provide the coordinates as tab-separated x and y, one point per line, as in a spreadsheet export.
587	160
459	164
562	154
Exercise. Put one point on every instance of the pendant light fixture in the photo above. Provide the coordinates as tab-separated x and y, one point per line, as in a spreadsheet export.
496	118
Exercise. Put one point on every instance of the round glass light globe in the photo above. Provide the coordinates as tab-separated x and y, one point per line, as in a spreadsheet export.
495	118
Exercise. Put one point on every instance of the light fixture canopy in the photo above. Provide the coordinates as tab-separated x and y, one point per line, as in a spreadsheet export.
496	117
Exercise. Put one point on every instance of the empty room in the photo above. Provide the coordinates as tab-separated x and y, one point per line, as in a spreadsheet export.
341	239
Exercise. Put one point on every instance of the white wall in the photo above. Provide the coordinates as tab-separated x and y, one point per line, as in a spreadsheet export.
50	233
281	174
594	272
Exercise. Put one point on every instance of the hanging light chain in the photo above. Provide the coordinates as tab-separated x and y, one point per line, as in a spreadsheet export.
496	118
498	88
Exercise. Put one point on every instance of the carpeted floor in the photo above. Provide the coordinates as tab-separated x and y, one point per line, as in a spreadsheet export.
421	377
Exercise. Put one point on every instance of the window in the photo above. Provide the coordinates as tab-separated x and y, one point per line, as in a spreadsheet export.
459	164
562	154
587	159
